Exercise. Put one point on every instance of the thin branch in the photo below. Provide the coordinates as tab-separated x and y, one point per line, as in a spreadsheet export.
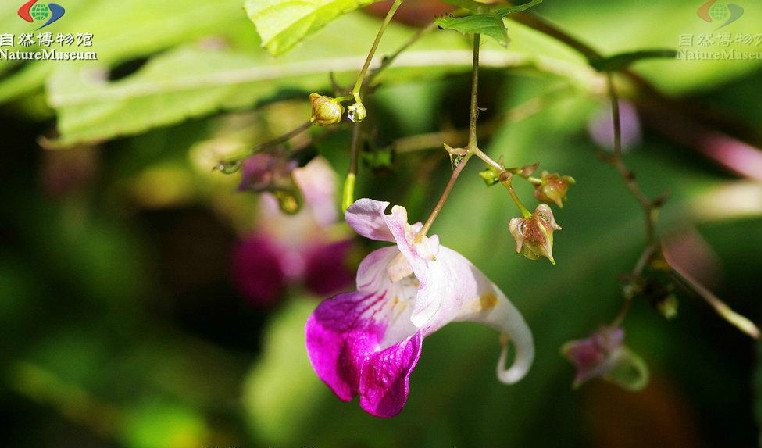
235	161
442	199
474	115
649	206
282	138
471	142
645	256
508	184
349	183
389	60
487	159
521	111
355	148
364	71
737	320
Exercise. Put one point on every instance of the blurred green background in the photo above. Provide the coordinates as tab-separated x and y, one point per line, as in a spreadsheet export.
120	325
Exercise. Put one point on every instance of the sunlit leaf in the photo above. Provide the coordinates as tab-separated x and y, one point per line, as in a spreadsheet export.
283	23
487	24
139	28
502	12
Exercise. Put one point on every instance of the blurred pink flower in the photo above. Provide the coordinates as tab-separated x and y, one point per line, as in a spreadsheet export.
603	355
286	249
601	126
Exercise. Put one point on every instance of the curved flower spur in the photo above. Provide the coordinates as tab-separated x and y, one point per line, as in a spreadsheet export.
368	342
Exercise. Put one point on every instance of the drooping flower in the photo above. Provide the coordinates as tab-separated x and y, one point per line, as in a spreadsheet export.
534	235
285	249
552	188
367	342
603	355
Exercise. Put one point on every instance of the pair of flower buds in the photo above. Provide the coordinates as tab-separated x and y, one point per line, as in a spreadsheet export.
327	110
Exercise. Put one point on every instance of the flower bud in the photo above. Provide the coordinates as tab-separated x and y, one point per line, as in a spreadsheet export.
527	170
356	112
534	235
490	176
325	109
552	188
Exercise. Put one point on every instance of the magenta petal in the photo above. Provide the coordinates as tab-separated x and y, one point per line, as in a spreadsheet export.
385	377
257	269
327	269
366	217
340	337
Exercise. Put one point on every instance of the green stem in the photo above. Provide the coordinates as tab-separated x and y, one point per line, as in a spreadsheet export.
471	144
433	140
442	199
648	252
364	71
389	60
616	119
720	307
349	183
272	142
487	159
648	206
474	115
508	183
508	186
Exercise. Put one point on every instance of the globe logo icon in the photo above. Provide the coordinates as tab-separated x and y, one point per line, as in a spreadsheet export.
719	11
40	11
714	11
49	13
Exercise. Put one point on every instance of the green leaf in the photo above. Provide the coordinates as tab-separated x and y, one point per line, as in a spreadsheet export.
623	60
141	27
170	88
469	5
487	24
502	12
284	23
195	81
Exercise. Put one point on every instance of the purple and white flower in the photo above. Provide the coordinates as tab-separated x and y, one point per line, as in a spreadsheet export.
367	342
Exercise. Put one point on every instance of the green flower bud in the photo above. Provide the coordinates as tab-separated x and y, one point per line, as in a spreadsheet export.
534	235
356	112
552	188
490	176
325	109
